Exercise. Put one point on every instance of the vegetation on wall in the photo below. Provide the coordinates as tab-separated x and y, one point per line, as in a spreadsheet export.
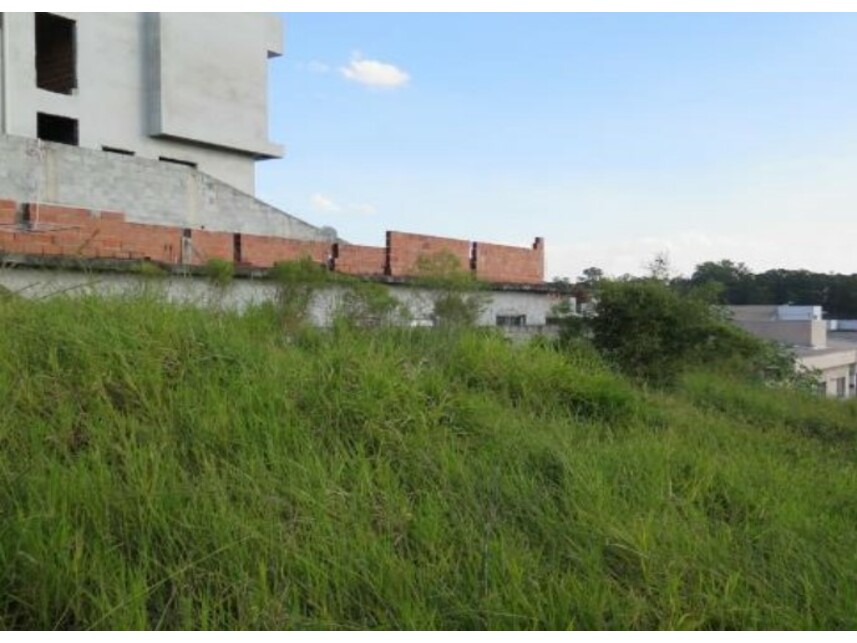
457	298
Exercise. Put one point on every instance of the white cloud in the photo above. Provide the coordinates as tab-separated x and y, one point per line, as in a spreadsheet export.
374	73
325	204
321	202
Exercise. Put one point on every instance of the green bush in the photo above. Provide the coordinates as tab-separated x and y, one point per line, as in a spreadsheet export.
654	333
368	304
220	272
297	282
457	297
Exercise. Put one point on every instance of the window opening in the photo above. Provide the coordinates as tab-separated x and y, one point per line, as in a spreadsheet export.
56	64
167	159
59	129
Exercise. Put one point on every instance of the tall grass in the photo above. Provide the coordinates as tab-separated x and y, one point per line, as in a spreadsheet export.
165	467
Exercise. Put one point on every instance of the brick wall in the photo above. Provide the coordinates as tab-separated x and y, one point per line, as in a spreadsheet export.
359	260
510	264
264	252
205	245
7	212
405	250
78	232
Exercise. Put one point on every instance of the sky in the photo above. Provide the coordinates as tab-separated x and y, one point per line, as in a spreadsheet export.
615	137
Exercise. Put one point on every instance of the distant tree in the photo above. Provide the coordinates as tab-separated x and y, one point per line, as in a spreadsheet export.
660	268
591	275
736	279
587	283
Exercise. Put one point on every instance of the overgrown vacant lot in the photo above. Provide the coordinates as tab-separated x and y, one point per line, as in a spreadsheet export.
164	467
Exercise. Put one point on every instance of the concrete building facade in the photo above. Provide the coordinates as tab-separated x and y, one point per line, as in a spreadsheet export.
177	88
832	355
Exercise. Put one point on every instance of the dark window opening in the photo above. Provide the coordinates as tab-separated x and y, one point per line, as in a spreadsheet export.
512	320
167	159
117	150
236	248
59	129
56	67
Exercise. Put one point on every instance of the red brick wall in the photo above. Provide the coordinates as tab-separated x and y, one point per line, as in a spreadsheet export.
62	230
510	264
264	252
75	232
359	260
7	212
207	245
405	250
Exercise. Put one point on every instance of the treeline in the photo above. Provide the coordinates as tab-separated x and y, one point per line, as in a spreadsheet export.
736	284
835	293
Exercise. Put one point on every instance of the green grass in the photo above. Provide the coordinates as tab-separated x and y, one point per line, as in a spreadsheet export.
164	467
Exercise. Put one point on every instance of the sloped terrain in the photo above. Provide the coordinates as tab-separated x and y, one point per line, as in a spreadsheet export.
167	467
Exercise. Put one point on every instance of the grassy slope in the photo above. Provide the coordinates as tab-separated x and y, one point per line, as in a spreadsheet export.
164	467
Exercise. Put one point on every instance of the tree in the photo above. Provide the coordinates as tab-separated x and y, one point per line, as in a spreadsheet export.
660	268
653	332
736	281
586	287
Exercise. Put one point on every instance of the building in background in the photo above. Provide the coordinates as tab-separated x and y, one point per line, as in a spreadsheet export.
803	329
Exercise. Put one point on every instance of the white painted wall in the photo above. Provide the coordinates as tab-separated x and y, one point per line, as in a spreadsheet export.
36	283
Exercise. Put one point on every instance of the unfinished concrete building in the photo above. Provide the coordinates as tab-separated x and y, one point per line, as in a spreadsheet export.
160	116
134	136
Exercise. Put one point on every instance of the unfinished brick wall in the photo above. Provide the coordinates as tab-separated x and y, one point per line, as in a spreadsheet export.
359	260
76	232
205	245
510	264
405	249
264	252
7	212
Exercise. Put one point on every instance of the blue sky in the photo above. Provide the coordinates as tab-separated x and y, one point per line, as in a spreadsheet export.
614	136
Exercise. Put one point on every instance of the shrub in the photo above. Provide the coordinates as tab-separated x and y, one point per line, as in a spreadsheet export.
456	296
654	333
368	304
220	272
297	284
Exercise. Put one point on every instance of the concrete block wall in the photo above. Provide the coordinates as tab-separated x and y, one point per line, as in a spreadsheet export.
359	260
405	250
147	191
509	264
